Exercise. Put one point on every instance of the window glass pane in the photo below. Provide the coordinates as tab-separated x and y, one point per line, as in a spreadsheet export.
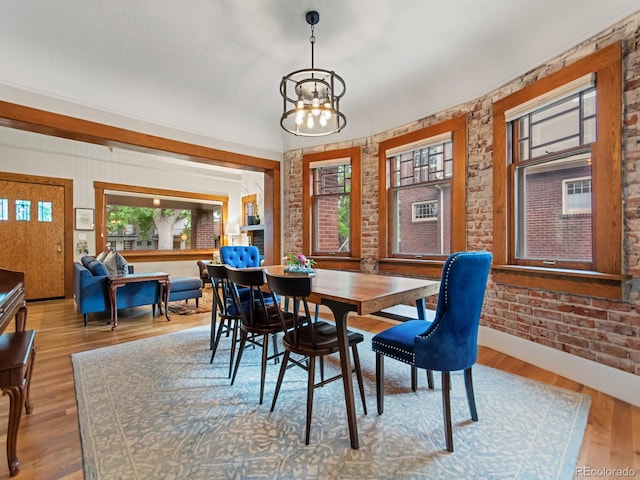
175	225
563	126
422	220
333	223
4	209
332	179
543	229
23	210
589	131
422	165
589	103
44	211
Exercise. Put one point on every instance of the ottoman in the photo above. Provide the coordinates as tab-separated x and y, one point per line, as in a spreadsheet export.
184	288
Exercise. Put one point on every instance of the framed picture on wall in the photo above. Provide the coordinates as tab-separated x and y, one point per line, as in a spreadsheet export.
84	218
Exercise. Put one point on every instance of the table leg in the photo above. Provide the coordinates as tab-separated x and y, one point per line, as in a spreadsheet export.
113	306
21	319
167	287
16	403
340	311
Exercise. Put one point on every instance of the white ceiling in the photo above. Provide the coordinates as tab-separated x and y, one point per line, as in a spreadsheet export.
212	67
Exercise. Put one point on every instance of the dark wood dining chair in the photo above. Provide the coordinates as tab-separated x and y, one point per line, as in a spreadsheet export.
308	339
450	342
259	318
225	309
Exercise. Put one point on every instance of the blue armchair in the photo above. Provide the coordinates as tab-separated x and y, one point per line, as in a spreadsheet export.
450	342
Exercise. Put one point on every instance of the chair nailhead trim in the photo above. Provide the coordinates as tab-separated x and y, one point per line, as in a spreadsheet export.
401	359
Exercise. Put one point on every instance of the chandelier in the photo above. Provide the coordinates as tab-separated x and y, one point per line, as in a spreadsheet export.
311	97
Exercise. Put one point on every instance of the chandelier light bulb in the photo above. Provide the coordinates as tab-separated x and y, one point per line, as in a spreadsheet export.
310	122
323	120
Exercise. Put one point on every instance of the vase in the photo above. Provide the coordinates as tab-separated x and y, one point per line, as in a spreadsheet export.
299	269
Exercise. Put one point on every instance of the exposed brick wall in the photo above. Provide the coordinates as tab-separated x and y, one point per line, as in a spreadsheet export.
605	331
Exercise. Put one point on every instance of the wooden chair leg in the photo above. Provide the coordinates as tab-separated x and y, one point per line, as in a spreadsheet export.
214	315
414	379
430	379
468	383
263	368
380	382
216	340
356	365
243	340
283	368
446	409
236	327
310	388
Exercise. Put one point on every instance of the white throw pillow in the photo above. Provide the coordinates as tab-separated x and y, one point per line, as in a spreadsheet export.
116	264
110	262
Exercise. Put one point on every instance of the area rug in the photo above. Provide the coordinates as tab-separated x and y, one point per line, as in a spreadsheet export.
156	409
182	308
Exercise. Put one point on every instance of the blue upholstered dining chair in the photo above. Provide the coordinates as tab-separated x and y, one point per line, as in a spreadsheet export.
240	256
450	342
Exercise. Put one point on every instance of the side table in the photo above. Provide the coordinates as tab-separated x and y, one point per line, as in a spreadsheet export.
116	281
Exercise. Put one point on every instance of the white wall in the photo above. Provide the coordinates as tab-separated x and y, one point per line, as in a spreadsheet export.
29	153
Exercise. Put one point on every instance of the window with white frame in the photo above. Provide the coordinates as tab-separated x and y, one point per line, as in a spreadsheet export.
576	196
424	211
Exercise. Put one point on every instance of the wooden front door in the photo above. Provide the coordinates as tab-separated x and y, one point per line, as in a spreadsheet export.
32	239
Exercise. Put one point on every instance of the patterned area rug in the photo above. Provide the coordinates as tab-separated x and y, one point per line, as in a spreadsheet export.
156	409
181	308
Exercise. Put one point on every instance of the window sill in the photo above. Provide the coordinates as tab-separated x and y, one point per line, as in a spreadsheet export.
405	266
141	256
578	282
332	262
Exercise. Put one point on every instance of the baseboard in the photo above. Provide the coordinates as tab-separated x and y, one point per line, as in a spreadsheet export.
611	381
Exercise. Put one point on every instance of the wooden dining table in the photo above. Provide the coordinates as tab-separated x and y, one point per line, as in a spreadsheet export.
363	293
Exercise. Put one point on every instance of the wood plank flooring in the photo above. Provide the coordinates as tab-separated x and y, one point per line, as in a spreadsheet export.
49	439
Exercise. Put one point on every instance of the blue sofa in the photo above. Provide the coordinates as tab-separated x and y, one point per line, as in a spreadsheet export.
91	293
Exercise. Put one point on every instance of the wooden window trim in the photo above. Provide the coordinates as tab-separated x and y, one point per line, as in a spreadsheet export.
151	255
351	261
606	279
429	267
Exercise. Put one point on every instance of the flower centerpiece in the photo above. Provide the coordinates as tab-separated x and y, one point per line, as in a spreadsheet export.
299	264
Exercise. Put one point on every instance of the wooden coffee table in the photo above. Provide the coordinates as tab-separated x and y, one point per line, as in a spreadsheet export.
116	281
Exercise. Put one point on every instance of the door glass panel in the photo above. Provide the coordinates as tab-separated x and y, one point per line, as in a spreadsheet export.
44	211
23	210
4	209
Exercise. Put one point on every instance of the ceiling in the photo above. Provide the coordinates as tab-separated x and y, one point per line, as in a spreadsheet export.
212	68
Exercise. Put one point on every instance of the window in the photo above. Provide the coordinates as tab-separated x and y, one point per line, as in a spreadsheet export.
23	210
45	211
331	207
551	143
424	211
557	180
4	209
423	196
150	219
576	196
421	176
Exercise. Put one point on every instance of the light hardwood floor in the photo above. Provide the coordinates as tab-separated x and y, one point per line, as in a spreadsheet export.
49	440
